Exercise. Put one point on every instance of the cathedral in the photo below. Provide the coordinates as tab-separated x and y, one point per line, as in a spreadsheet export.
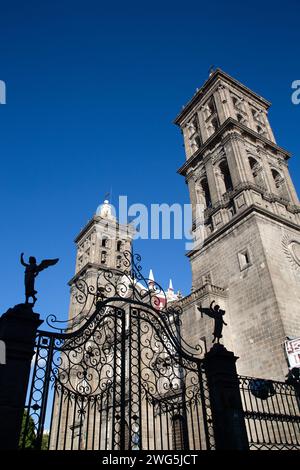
248	260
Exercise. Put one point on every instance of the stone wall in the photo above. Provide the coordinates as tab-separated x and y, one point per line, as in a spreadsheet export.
250	262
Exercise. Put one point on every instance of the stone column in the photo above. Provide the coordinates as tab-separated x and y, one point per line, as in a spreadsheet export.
225	399
186	141
236	160
211	179
18	328
267	171
190	180
269	128
202	125
221	103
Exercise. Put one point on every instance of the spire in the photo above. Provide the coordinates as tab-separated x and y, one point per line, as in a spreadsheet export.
171	285
151	282
106	198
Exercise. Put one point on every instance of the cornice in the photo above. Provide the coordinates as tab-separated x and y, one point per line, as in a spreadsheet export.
200	292
229	195
114	226
215	76
238	217
230	123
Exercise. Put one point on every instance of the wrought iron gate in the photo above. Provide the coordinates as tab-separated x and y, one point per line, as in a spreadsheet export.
120	376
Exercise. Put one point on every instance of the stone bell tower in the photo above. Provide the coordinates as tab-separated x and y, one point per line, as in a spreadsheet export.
100	245
249	255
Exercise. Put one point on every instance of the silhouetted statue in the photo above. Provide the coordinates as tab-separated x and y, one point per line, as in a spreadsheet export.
31	271
217	314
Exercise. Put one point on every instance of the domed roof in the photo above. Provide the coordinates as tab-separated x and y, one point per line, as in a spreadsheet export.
106	210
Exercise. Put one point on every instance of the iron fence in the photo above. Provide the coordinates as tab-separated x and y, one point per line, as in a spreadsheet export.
272	414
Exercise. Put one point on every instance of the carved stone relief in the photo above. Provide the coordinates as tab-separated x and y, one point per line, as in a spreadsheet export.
291	248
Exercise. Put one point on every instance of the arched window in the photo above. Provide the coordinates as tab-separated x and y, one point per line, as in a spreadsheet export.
260	130
225	182
277	178
211	106
195	124
253	163
119	261
197	141
103	257
215	124
257	172
104	242
119	245
205	189
280	184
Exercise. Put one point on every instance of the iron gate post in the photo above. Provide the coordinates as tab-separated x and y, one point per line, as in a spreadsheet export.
225	399
17	330
123	382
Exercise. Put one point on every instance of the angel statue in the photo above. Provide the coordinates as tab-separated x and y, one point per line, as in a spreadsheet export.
217	314
31	271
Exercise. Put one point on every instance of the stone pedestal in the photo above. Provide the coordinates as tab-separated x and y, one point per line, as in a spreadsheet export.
18	328
226	406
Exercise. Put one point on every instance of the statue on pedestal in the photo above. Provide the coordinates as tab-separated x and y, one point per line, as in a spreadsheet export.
31	271
217	314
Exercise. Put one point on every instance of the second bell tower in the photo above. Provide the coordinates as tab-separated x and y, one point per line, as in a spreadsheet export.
100	246
250	246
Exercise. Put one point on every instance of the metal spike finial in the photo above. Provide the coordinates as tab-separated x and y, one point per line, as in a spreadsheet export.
211	70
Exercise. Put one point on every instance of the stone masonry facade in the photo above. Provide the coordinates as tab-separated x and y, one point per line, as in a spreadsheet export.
247	236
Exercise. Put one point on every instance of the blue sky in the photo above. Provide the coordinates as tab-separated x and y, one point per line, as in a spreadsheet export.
92	89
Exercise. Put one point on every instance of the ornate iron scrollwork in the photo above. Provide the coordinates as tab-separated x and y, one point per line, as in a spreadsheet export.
126	362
